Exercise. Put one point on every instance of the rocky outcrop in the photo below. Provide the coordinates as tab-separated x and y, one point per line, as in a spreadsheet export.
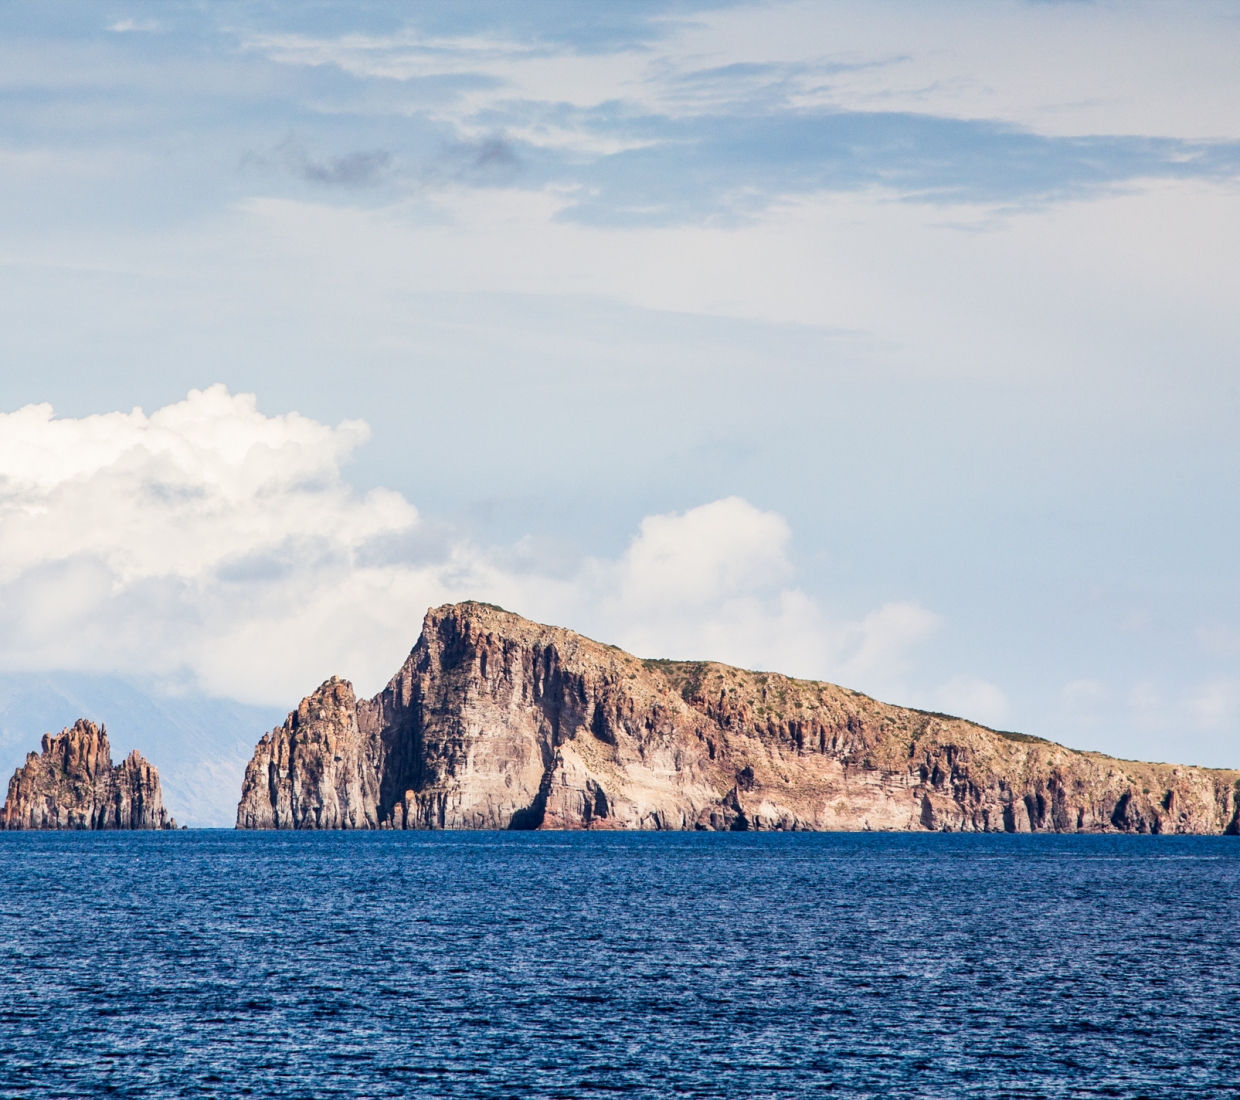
496	722
74	785
316	772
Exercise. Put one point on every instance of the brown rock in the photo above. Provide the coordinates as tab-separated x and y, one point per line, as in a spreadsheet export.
312	773
73	785
496	722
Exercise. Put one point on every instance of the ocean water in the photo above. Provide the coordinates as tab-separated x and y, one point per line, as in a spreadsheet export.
646	965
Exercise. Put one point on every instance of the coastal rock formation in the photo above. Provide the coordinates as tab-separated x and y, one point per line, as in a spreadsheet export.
497	722
74	785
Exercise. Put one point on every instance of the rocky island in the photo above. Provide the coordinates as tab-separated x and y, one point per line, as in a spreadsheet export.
74	785
496	722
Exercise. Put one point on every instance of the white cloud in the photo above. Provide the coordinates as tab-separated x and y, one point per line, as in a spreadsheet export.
1057	68
974	698
883	639
1143	261
154	544
1083	697
213	542
710	583
1145	705
129	26
199	484
1068	69
704	584
1214	705
716	552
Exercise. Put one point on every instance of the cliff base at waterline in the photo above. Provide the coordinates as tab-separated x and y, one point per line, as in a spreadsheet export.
496	722
73	784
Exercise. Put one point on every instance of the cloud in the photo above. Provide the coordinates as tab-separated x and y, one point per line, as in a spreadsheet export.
487	161
203	483
131	26
154	544
1082	698
357	169
684	171
1066	69
705	584
972	697
883	640
211	544
716	552
1214	705
712	583
353	170
722	116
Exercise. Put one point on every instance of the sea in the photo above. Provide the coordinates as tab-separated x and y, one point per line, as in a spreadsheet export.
220	964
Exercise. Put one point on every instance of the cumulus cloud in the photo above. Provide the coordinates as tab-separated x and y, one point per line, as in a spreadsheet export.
712	583
719	551
199	538
203	483
883	640
705	584
212	544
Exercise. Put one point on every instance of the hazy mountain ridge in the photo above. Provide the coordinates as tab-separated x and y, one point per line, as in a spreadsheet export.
498	722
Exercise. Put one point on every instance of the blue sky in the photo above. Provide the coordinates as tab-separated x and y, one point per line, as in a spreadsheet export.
893	344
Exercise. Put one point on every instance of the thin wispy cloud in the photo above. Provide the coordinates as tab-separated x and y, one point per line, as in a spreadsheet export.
130	26
363	168
649	136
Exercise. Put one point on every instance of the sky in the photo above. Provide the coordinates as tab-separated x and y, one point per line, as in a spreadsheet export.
894	345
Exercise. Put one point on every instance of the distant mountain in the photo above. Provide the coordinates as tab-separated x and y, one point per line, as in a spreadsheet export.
498	722
199	744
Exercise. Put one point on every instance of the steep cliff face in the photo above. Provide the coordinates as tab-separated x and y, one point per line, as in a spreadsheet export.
497	722
314	772
73	784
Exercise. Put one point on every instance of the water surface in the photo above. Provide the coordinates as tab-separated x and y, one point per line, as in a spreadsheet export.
653	965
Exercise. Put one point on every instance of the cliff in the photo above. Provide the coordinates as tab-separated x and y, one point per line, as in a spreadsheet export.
74	785
496	722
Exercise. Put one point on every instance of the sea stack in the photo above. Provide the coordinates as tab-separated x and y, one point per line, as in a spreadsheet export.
496	722
74	785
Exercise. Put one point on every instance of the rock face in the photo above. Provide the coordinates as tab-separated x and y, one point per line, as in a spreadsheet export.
495	722
74	785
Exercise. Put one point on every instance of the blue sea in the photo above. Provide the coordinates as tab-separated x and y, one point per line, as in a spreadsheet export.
315	965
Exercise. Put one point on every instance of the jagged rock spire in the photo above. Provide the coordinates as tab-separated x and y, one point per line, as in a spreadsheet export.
73	784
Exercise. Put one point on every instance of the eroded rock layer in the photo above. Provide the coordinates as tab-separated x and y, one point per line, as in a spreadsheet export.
73	784
496	722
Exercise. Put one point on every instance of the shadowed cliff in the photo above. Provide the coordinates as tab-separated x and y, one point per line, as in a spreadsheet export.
496	722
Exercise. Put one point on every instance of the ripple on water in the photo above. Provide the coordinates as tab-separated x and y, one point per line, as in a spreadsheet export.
653	965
